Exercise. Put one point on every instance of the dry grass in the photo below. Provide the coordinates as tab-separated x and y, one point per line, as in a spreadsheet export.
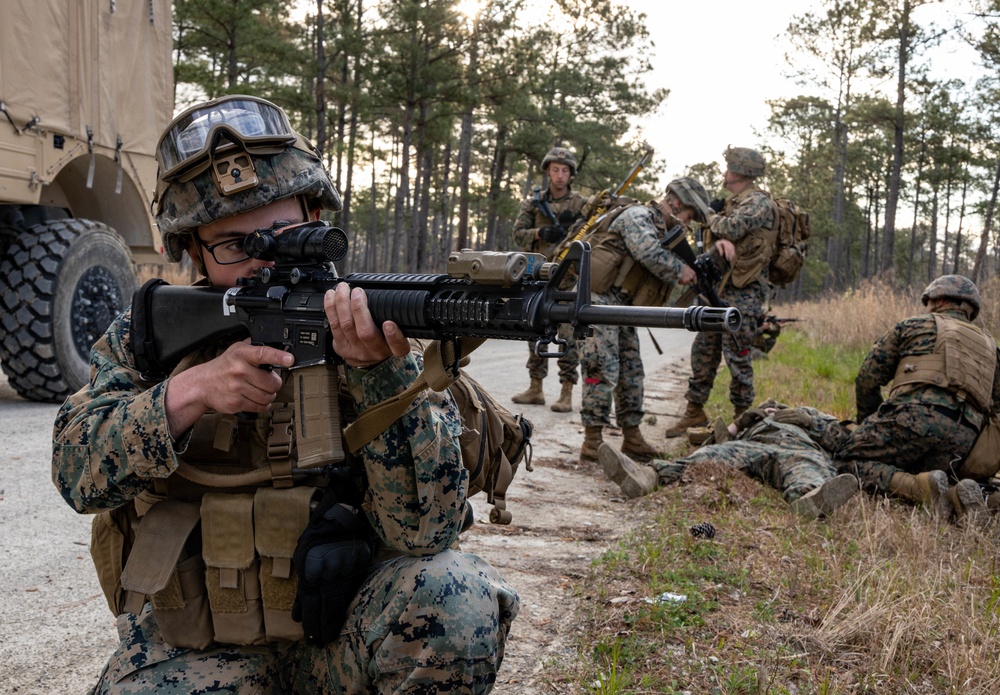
880	598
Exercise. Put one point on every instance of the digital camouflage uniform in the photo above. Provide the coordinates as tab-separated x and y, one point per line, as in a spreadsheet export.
746	217
610	360
922	428
427	619
529	220
793	453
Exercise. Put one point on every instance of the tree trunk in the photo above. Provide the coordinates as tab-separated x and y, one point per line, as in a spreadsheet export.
984	240
892	199
465	142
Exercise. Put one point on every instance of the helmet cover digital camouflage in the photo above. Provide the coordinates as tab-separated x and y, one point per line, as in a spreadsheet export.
560	155
185	203
744	161
692	194
957	288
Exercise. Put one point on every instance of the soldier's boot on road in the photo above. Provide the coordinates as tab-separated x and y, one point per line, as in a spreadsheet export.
823	500
634	479
565	402
593	437
636	446
929	490
969	503
533	396
694	416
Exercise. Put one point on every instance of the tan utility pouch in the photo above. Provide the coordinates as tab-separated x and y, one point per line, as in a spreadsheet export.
110	543
983	460
175	585
231	568
280	517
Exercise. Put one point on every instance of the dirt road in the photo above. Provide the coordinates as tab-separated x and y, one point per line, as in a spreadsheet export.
56	631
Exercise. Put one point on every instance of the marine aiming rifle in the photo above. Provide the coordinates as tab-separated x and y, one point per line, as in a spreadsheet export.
604	201
510	296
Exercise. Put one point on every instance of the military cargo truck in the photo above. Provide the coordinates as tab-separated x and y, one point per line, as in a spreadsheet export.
86	87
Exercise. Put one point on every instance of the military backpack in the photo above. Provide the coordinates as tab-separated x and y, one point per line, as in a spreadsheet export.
790	248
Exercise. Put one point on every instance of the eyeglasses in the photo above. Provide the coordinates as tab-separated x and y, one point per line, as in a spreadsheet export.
241	120
226	252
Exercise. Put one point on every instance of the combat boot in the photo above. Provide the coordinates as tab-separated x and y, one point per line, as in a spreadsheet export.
635	480
928	489
967	500
739	410
636	446
565	402
533	396
823	500
593	437
694	416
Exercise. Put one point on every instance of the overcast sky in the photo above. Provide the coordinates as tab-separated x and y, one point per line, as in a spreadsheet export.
722	60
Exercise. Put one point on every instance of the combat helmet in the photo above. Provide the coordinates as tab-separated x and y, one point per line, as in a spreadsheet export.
692	194
744	161
227	156
957	288
560	155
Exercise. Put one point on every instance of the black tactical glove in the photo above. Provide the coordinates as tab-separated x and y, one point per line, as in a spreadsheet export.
717	204
553	235
567	218
331	561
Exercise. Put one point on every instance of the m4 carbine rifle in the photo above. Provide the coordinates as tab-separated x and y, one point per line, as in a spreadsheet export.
511	296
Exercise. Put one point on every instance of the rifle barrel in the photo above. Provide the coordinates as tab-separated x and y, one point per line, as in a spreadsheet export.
693	318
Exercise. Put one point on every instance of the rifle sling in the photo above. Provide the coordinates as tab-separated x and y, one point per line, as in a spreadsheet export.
438	374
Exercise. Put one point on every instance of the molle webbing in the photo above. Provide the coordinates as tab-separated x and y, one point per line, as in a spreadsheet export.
963	362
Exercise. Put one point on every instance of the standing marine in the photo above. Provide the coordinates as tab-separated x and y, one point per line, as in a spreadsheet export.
630	265
543	222
746	219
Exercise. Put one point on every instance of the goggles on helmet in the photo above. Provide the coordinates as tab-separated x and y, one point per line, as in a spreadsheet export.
193	136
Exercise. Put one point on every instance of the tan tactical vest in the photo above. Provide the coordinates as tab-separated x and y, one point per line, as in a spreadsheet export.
248	482
754	249
963	362
611	265
572	201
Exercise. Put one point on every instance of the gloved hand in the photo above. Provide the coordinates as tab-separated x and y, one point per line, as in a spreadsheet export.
717	204
552	234
793	416
331	561
329	576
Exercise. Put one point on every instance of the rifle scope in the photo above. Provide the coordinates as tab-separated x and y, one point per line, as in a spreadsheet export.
313	241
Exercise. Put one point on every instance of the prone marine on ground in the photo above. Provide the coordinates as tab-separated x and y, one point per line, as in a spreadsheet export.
743	228
340	579
631	265
542	222
944	386
790	449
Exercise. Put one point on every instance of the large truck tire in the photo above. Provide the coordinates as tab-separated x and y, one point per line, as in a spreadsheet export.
64	281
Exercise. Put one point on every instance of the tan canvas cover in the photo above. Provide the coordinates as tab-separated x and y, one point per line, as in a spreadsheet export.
99	63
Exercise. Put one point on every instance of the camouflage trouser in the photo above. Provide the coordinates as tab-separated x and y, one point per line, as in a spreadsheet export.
709	348
538	367
908	438
612	370
419	625
788	467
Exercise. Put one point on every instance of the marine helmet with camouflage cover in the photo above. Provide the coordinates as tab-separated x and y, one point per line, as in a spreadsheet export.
560	155
744	161
956	288
692	194
229	155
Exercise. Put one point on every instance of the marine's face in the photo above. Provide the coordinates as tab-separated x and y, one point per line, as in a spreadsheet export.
559	175
225	237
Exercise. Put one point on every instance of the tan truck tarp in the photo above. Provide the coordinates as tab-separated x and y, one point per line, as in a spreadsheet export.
123	85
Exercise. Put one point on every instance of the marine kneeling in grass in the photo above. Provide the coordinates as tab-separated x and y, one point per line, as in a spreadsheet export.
790	449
